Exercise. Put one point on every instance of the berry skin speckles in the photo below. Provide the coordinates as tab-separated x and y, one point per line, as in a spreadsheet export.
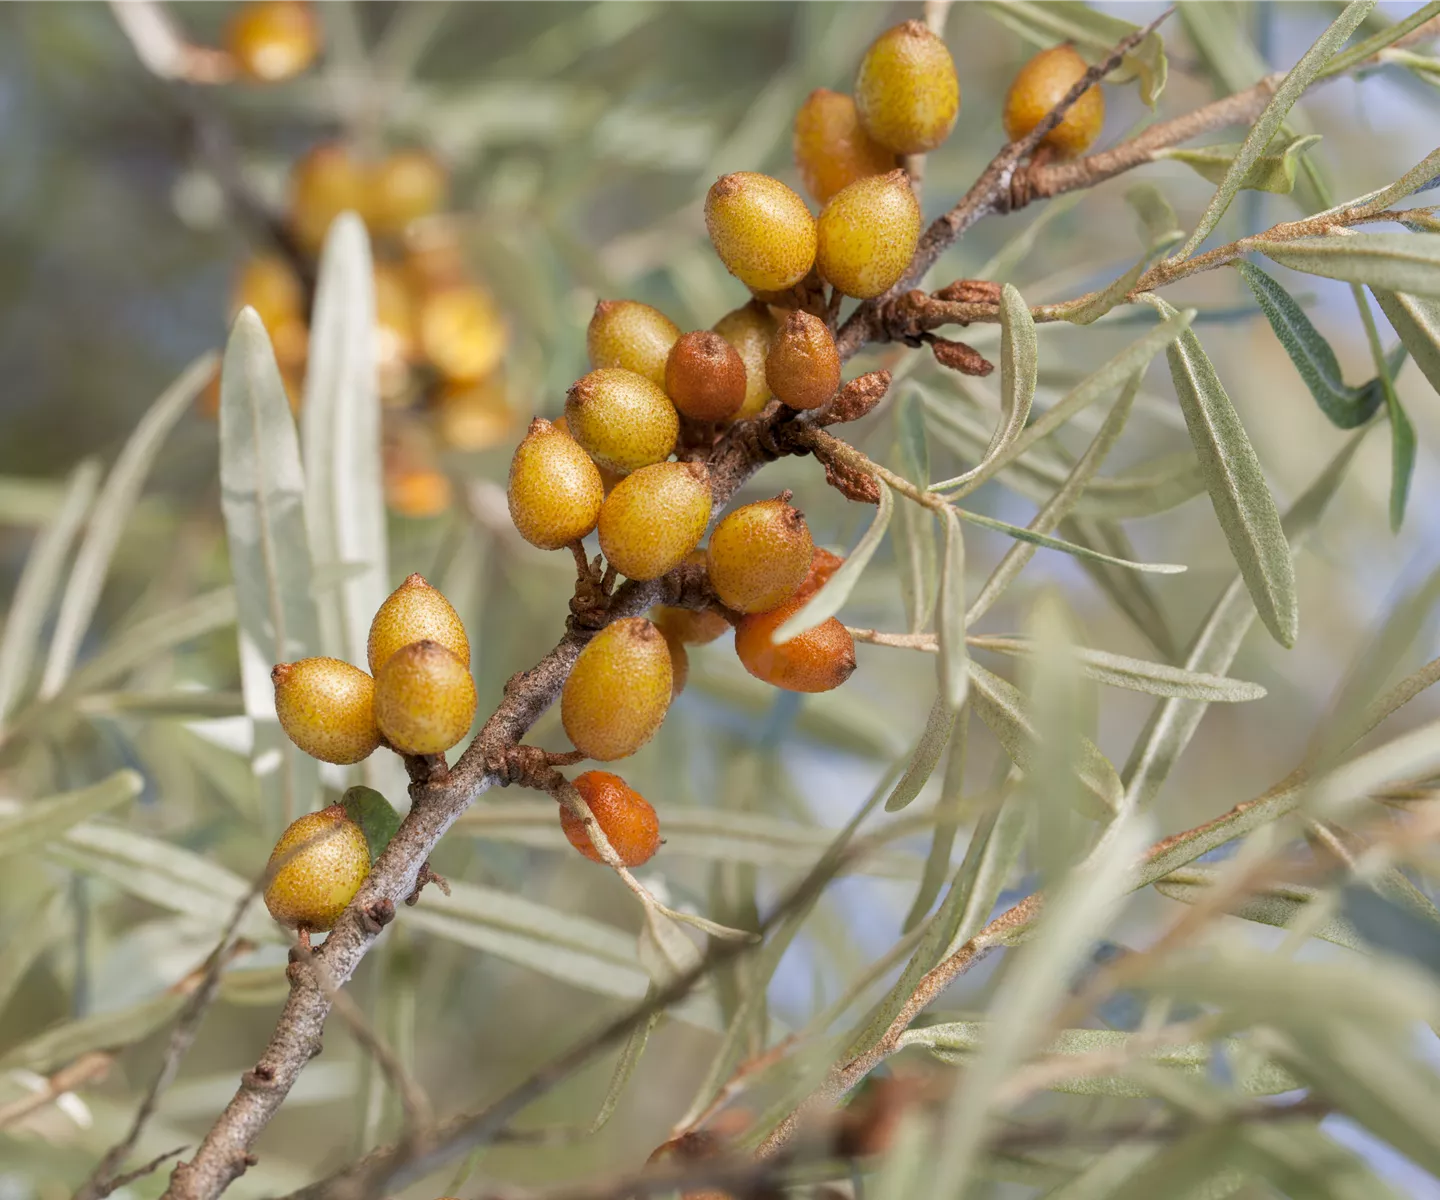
759	555
832	148
424	699
316	868
555	490
618	691
624	421
626	333
653	518
868	234
906	90
1041	84
761	230
327	708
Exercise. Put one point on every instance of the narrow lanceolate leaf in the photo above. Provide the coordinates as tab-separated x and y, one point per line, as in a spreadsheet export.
1237	487
1402	456
1277	904
1004	712
1347	407
954	665
1128	590
1274	171
914	532
1020	533
45	820
1417	321
1393	262
262	496
1268	125
1158	223
1417	178
37	927
825	603
938	728
1388	36
67	1041
112	509
947	824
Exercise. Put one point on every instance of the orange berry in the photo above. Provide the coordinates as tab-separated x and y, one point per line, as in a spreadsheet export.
705	377
315	870
404	186
803	366
327	708
622	419
761	230
823	564
415	612
1041	84
474	416
832	148
628	820
424	699
759	555
273	40
618	691
868	234
462	332
626	333
434	257
751	330
906	91
818	660
417	492
654	518
269	285
555	490
324	183
693	626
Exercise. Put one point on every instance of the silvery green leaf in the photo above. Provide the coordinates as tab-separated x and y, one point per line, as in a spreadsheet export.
167	702
1130	591
1021	534
1158	223
942	841
1241	498
954	664
1387	36
1276	904
630	1055
1393	927
1417	321
1221	37
938	727
1425	67
914	532
1392	262
68	1040
37	928
43	821
1274	171
1402	457
135	646
1300	1160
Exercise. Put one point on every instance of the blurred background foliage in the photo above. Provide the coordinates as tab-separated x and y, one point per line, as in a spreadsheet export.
580	140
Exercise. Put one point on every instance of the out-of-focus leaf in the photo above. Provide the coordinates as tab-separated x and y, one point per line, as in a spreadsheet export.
45	820
1367	47
1243	504
954	664
1392	262
1417	321
67	1041
942	841
1402	457
262	496
134	647
1003	262
1019	363
1220	36
1158	223
1300	1160
31	936
914	527
1021	534
1263	131
1276	905
1424	67
112	510
1393	928
174	702
630	1054
828	600
375	815
1274	171
1130	592
903	1172
938	728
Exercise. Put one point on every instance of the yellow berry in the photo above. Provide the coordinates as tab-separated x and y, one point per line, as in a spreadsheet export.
622	419
462	332
273	40
761	230
618	691
759	555
424	699
405	186
751	330
626	333
705	377
654	518
832	148
693	626
474	416
906	91
269	285
327	708
816	661
415	612
1041	84
868	234
315	870
628	820
607	477
555	489
803	366
434	257
324	183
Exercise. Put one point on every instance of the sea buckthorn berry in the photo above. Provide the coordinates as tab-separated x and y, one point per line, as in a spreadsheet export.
618	691
868	234
327	708
693	626
607	477
474	416
622	419
906	91
751	330
418	492
626	333
759	555
761	230
818	660
679	663
273	40
315	870
462	332
404	187
394	332
705	377
832	148
434	257
654	518
628	820
555	488
323	184
424	699
1041	84
823	564
803	366
415	612
269	285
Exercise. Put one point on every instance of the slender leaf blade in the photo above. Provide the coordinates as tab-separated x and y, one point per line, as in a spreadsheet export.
954	664
45	820
1392	262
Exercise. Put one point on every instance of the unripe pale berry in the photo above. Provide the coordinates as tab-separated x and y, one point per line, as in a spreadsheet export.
269	285
759	555
751	330
474	416
705	377
906	91
816	661
868	234
622	419
761	230
803	366
327	708
654	518
462	332
627	818
404	187
626	333
555	489
415	612
618	691
424	699
323	184
832	148
273	40
1041	84
316	868
679	663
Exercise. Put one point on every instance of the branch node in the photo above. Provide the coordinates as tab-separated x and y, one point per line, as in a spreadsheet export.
375	916
423	876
